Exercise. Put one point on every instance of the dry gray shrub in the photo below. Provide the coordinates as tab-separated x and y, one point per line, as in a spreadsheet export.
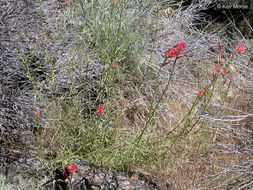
19	23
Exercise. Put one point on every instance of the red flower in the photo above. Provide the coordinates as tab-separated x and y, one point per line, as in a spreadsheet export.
72	169
115	65
218	69
37	114
158	5
239	49
221	48
171	53
200	93
174	52
225	71
100	110
180	47
206	88
42	44
114	1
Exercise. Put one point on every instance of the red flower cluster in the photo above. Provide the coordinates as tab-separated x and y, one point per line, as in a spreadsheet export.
221	47
239	49
174	52
223	72
72	169
115	65
201	92
100	110
37	114
218	69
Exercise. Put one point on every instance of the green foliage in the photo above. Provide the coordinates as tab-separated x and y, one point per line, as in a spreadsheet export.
111	30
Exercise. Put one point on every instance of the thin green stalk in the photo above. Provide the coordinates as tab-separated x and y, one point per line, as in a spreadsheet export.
186	117
137	140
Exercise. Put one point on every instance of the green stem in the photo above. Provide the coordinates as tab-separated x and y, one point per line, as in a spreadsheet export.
187	116
137	140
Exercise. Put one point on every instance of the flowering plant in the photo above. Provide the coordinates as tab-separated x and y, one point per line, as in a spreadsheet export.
72	169
239	49
115	65
37	114
100	110
174	53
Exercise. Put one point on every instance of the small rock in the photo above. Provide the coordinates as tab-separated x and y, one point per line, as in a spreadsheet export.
95	179
94	188
121	178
